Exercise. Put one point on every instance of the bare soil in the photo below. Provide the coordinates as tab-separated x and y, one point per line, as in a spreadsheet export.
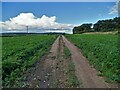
112	32
50	71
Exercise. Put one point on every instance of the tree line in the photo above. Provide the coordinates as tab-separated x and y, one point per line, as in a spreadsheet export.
100	26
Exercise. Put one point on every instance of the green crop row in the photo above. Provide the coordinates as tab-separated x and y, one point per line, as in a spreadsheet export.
21	52
101	51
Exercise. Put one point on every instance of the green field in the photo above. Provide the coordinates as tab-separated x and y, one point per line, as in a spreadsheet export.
101	51
21	52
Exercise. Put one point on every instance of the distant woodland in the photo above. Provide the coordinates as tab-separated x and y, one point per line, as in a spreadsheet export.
100	26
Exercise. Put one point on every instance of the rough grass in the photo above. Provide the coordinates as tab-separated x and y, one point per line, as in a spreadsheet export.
72	79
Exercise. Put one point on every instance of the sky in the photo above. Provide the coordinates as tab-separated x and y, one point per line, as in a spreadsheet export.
54	15
119	8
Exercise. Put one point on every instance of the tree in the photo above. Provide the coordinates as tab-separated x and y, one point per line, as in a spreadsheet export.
82	28
101	25
107	25
86	27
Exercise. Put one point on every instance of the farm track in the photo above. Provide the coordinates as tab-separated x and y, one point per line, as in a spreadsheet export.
49	72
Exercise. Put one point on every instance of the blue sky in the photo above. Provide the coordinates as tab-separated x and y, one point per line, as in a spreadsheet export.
66	12
53	15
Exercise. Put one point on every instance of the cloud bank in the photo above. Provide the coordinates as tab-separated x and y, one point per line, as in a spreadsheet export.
28	19
115	9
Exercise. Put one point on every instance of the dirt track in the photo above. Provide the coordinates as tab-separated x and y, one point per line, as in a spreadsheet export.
50	70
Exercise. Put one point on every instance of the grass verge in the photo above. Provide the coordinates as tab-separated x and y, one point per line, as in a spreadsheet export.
72	79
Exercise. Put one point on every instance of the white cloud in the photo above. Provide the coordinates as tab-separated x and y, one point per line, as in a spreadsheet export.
114	9
28	19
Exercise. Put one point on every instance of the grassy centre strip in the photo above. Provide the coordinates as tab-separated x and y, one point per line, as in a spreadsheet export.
72	79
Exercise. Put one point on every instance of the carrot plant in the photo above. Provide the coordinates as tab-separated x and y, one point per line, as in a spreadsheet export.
101	51
21	52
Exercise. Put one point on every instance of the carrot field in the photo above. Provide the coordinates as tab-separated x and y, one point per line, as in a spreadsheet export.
101	51
21	52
